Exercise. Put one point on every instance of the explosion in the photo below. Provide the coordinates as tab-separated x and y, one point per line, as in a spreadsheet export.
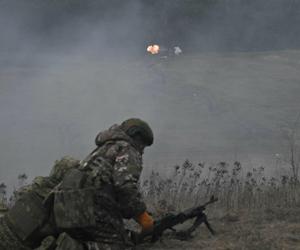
153	49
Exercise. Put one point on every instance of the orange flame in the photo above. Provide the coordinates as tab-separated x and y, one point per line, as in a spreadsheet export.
153	49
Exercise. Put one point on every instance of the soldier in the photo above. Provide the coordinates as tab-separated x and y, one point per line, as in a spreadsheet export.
91	202
28	220
82	206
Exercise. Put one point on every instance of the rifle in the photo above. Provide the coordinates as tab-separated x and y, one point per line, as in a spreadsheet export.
171	220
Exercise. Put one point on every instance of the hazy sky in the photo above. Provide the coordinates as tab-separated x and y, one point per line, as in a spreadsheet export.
58	89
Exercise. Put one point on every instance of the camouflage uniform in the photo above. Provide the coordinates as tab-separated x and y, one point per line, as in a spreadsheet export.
29	219
44	185
82	206
92	201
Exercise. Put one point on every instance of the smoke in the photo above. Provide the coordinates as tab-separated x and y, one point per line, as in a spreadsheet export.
61	86
242	25
69	70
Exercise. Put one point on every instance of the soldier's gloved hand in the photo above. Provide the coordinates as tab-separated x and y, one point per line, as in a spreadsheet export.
146	221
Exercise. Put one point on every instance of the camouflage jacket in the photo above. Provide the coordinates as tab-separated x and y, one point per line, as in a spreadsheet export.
91	202
27	221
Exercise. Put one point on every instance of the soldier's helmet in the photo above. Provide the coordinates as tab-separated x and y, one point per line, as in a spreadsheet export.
135	126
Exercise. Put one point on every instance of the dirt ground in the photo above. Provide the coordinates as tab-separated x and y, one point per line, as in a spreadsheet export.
270	229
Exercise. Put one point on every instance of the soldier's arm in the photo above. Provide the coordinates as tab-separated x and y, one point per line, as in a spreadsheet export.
126	174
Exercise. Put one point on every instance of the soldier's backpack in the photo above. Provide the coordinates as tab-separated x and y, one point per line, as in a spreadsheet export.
29	216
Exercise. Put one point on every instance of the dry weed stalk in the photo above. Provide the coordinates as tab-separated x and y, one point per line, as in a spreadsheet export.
190	184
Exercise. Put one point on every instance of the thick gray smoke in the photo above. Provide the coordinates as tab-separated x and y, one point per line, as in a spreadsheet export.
62	82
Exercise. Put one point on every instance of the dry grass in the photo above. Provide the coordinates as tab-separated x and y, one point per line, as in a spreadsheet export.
242	231
254	212
191	184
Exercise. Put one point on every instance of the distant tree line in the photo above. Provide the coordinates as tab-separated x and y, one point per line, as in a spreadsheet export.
227	24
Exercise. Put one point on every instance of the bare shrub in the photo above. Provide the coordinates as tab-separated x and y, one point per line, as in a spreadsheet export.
191	184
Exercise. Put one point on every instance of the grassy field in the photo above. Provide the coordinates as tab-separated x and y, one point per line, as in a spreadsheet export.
253	212
272	230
